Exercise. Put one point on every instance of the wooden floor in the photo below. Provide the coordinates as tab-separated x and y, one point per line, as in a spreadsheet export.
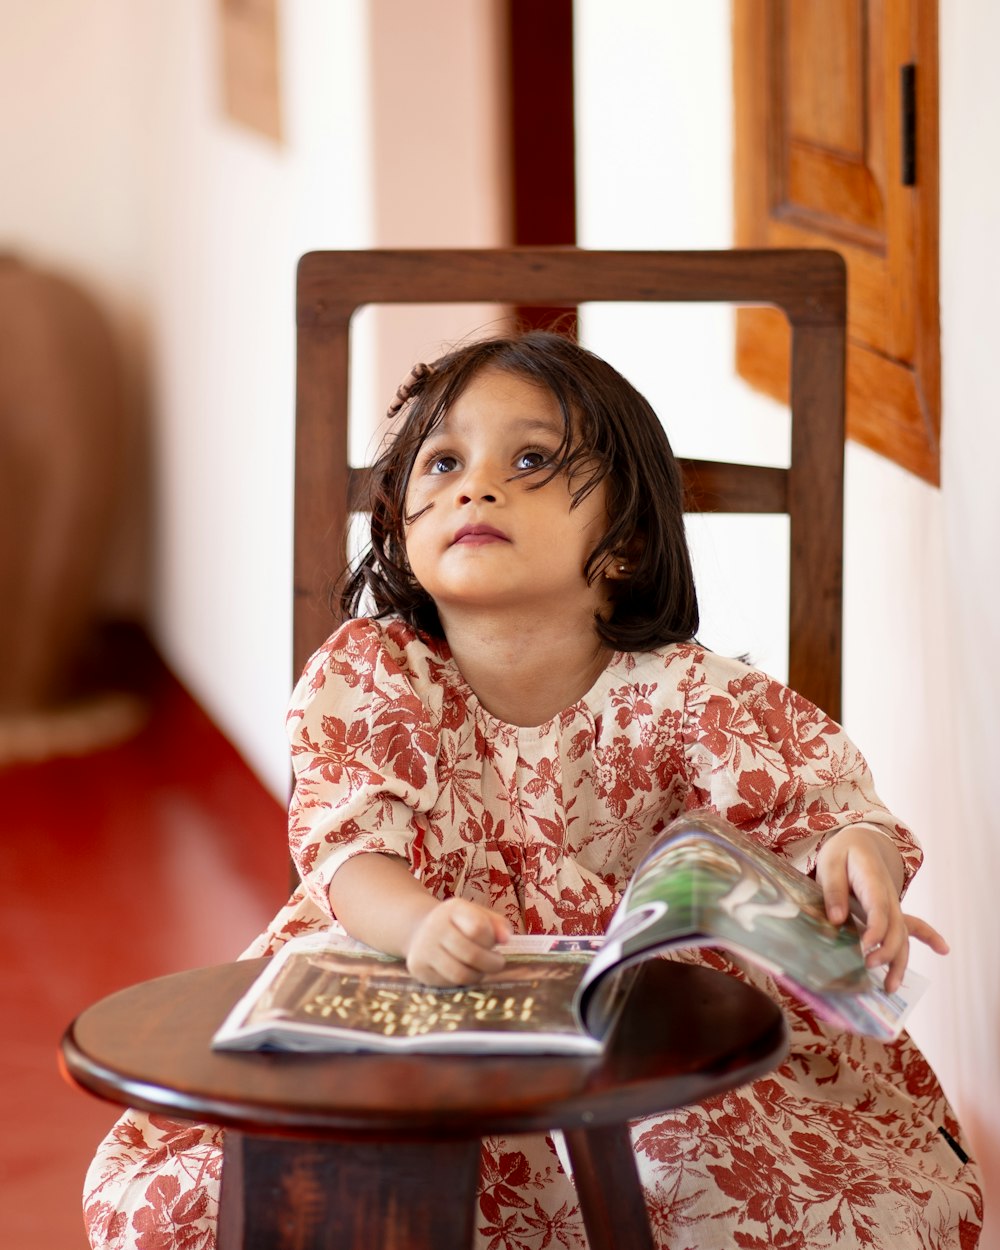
160	854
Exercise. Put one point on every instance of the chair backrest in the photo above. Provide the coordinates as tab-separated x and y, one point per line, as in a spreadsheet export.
808	286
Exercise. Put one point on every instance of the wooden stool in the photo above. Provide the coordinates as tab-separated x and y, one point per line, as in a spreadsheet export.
341	1151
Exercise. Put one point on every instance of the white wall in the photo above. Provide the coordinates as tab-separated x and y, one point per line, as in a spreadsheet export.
922	603
654	136
226	215
439	167
961	657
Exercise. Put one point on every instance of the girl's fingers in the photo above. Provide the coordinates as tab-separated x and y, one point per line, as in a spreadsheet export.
877	930
926	933
895	953
896	969
501	927
885	941
831	874
456	945
835	902
481	926
464	965
471	955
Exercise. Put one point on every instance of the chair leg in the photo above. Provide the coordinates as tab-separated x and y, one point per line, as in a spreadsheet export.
289	1194
607	1184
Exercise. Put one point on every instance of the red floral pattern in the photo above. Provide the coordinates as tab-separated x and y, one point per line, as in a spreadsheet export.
393	752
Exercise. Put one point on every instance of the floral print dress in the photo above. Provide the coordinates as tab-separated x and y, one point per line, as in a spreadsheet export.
850	1142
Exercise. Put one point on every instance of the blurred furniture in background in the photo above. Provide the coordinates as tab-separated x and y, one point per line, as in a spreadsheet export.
62	432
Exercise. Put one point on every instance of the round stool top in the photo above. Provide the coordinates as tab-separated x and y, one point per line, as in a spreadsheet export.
687	1032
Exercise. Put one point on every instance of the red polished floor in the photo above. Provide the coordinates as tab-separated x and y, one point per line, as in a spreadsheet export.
160	854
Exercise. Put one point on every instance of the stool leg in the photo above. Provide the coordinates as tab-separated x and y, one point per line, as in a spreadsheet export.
607	1184
288	1194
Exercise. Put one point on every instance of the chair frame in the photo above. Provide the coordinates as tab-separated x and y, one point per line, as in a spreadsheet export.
810	287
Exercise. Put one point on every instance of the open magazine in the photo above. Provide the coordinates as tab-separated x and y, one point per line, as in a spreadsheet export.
702	883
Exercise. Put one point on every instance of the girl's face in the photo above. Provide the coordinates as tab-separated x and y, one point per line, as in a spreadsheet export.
484	539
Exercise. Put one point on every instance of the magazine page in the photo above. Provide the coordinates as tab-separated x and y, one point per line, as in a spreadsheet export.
704	883
874	1012
325	992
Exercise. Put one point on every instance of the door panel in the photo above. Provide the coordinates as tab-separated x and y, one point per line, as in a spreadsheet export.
819	162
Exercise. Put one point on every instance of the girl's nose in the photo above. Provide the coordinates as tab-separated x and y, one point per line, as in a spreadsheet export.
480	483
484	496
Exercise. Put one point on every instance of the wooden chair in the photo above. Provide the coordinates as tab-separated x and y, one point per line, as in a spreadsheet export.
358	1150
808	286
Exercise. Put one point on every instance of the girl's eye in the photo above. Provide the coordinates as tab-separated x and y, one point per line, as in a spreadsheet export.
531	460
441	464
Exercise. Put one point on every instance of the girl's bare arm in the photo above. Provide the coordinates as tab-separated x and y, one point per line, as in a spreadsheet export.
379	902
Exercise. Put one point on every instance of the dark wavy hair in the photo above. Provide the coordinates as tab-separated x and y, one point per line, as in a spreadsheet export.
610	435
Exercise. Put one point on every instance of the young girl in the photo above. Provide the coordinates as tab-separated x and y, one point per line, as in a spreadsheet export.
492	749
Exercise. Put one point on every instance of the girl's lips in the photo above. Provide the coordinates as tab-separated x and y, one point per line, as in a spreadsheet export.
477	535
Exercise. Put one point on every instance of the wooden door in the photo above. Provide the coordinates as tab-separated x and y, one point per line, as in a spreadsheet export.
836	146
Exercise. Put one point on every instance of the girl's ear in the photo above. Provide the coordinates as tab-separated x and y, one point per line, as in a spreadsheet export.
621	564
617	569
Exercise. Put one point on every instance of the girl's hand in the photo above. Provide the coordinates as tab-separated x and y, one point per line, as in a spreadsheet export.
864	863
454	944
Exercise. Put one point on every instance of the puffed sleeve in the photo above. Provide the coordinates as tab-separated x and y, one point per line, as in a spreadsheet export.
363	749
774	765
